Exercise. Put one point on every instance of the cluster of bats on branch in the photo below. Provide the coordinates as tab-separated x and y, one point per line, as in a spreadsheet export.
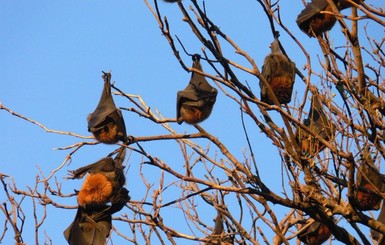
103	192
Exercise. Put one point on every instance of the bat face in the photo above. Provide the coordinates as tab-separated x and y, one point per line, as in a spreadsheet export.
319	124
196	101
368	178
312	22
106	123
315	234
279	73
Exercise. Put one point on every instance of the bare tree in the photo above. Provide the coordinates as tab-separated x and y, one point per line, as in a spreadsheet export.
329	138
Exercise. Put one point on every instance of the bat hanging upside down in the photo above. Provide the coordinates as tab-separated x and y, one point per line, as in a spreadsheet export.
369	178
196	101
315	234
318	123
279	73
106	123
313	22
101	195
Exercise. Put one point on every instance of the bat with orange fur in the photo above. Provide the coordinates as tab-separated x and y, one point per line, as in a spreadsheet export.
369	179
101	195
106	123
315	234
318	123
196	101
279	73
313	22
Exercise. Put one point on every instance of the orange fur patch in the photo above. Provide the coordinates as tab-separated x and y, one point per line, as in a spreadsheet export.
367	201
108	134
96	190
194	115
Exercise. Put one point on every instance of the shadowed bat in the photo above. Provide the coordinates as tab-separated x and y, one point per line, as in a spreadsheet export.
196	101
279	73
319	124
381	218
218	237
106	123
369	178
313	22
103	185
315	234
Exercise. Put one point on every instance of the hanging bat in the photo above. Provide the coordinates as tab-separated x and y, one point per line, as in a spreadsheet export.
313	22
92	226
196	101
106	123
103	185
279	73
218	236
369	178
315	234
381	218
105	178
319	124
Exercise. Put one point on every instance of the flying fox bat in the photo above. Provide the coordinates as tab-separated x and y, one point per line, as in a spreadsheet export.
315	234
279	73
106	123
196	101
92	226
369	178
105	178
103	185
381	218
313	22
318	123
218	236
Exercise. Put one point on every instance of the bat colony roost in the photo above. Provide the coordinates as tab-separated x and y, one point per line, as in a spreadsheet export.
103	194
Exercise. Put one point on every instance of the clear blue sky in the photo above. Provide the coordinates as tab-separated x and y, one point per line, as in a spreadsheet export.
52	54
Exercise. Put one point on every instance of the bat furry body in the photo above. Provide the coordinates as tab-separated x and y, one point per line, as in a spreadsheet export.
315	234
279	73
368	177
196	101
319	124
106	123
101	195
313	22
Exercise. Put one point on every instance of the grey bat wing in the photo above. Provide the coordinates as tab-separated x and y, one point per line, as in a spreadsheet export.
313	8
90	227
